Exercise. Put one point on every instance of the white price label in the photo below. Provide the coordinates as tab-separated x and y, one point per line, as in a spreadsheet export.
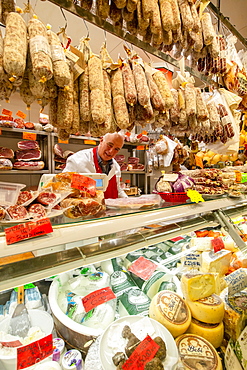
236	281
170	177
193	260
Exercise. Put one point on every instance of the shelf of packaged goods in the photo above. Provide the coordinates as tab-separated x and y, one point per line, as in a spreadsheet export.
41	267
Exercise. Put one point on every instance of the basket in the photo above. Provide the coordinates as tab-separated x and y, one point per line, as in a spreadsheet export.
174	197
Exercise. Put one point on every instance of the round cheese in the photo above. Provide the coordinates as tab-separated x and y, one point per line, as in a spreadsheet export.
212	332
209	310
197	353
171	311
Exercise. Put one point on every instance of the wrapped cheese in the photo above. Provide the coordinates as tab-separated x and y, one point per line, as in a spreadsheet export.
39	50
15	46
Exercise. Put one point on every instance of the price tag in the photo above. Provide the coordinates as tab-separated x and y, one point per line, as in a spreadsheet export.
7	112
243	178
193	260
97	297
194	196
0	131
236	281
71	56
177	239
140	147
90	142
199	162
217	244
29	135
13	344
34	352
19	113
143	268
63	141
128	133
143	353
27	230
170	177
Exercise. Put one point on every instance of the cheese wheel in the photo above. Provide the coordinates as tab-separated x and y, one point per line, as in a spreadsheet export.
209	310
171	311
197	286
212	332
197	353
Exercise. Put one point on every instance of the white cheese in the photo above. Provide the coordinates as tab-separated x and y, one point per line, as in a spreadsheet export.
216	262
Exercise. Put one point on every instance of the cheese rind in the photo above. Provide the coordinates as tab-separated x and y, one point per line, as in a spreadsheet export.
171	311
209	310
197	353
212	332
197	286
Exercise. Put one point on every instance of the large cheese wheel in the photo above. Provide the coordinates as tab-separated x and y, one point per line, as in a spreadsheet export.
171	311
197	353
212	332
197	286
209	310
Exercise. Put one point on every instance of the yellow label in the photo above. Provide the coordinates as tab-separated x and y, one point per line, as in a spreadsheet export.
63	141
194	196
21	114
90	142
29	135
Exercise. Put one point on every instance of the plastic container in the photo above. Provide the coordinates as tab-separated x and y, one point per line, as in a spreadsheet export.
77	335
9	193
38	318
72	360
59	350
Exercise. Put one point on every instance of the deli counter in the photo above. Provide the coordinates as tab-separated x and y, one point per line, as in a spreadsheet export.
73	244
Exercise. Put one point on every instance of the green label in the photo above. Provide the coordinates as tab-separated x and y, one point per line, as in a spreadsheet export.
243	177
135	302
120	282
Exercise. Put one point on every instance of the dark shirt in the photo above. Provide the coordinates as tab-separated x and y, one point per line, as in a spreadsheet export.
105	166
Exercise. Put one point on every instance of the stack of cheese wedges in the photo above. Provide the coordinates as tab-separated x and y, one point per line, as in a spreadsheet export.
207	308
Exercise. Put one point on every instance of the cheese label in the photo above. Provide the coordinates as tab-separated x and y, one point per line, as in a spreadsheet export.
236	281
193	260
33	352
217	244
143	268
197	353
238	302
212	300
172	307
97	297
143	353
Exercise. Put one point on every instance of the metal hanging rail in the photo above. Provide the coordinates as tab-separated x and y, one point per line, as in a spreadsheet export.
228	24
125	35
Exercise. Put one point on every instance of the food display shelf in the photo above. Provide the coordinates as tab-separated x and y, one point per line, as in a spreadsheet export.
83	242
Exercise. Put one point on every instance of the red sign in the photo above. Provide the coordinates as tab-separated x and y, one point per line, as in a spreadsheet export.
34	352
83	183
143	268
7	112
29	135
27	230
21	114
97	297
177	239
15	343
143	353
